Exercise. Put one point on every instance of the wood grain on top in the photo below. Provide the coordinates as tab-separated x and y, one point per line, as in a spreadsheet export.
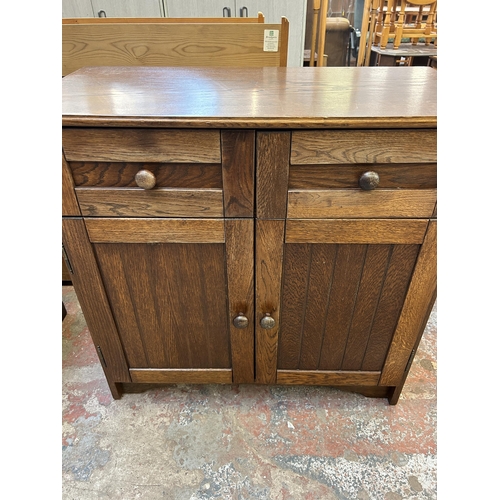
384	97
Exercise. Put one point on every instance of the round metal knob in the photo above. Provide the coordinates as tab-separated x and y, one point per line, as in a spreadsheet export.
369	180
267	322
241	321
145	179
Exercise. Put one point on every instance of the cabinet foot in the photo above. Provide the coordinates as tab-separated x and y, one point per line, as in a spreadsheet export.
393	394
116	389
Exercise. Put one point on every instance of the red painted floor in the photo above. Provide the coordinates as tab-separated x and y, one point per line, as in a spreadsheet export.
243	442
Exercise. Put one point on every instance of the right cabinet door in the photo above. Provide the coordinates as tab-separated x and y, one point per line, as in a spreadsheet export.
346	254
344	285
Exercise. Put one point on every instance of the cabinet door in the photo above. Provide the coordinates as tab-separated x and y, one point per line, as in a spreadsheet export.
339	290
174	288
127	8
197	8
77	8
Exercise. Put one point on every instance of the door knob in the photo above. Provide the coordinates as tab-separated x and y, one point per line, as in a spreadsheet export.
145	179
267	322
241	321
369	181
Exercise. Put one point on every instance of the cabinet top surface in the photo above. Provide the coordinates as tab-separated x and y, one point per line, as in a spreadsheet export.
251	97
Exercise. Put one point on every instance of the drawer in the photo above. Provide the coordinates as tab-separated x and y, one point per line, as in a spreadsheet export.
145	172
362	174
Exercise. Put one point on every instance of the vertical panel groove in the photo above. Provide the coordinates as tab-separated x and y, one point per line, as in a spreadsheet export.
304	307
99	265
378	300
354	304
187	346
134	307
325	316
205	316
152	275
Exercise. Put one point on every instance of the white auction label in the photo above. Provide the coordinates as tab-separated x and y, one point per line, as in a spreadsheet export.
271	40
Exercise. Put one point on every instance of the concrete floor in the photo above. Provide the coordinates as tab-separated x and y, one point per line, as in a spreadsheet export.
249	442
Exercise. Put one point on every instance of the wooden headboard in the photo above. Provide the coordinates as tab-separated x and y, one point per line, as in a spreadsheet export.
154	42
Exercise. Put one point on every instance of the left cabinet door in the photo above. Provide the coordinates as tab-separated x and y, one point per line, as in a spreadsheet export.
166	281
128	8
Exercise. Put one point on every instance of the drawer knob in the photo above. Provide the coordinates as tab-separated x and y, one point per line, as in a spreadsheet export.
145	179
241	321
369	180
267	322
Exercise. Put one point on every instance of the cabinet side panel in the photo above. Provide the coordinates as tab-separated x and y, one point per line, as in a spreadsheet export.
69	202
421	294
93	300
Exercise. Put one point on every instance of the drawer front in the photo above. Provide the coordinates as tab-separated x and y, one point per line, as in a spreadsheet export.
142	145
363	146
362	174
146	172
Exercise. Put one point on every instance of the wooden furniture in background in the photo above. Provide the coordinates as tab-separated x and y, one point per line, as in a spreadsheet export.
273	10
289	237
405	55
418	28
384	20
314	32
320	9
104	43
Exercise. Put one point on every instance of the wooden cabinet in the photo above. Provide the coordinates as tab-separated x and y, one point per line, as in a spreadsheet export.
235	236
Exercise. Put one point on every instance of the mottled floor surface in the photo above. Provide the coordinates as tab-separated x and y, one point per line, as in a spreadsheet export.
249	442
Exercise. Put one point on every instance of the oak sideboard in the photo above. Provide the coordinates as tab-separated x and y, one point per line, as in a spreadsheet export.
260	225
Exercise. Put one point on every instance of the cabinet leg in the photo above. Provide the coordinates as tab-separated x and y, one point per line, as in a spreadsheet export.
115	388
394	393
